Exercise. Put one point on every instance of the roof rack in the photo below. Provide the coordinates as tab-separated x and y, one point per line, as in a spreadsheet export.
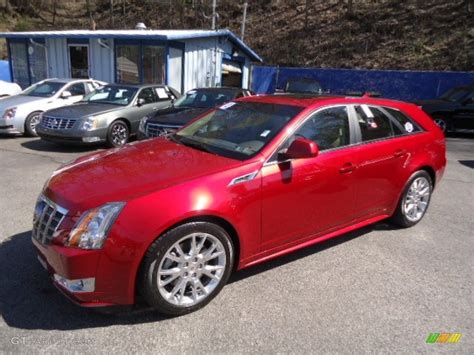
364	94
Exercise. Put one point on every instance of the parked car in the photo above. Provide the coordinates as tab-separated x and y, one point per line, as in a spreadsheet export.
302	86
251	180
20	114
110	114
9	89
453	111
191	105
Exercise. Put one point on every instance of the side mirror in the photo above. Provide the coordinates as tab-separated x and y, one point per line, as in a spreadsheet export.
300	148
141	102
66	94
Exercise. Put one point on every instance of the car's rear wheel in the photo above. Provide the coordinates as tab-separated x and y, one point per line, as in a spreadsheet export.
414	201
31	122
118	134
185	268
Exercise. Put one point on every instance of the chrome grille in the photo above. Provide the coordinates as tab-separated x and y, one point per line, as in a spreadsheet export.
159	130
46	220
57	123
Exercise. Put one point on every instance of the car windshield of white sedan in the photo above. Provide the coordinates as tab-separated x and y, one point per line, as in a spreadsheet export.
205	98
44	89
237	129
115	95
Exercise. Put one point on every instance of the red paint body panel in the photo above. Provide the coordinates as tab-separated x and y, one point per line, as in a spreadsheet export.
285	207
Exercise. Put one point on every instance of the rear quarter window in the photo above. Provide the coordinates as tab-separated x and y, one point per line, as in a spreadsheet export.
407	124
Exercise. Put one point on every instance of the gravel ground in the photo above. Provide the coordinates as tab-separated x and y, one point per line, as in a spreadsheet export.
375	290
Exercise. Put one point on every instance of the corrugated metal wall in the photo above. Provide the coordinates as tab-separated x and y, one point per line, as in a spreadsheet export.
101	57
203	59
58	60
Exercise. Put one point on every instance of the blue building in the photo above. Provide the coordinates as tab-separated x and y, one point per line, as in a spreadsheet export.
182	59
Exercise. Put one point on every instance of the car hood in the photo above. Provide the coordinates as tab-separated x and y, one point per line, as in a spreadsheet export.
20	100
124	173
177	116
83	109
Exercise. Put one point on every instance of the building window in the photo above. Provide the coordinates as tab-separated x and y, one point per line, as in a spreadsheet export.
38	62
19	62
138	64
128	64
153	65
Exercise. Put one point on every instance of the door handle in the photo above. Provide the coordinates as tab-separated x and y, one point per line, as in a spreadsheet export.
347	168
399	153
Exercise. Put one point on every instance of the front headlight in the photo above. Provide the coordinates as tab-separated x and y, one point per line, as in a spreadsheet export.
90	232
88	124
9	113
142	125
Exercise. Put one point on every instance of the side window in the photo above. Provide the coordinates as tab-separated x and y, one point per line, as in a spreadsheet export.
407	125
147	95
162	94
374	124
77	89
329	128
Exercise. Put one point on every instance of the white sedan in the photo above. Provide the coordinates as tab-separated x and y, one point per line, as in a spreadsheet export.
9	89
21	113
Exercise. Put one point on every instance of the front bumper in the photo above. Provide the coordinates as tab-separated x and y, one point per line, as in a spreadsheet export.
75	136
68	266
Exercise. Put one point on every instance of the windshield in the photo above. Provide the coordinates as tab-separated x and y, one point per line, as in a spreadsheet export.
205	98
115	95
47	89
454	95
303	86
237	129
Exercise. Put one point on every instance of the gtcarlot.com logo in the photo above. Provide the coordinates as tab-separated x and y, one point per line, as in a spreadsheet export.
443	338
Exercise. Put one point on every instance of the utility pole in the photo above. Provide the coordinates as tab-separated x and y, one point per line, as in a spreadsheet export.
112	13
214	14
244	18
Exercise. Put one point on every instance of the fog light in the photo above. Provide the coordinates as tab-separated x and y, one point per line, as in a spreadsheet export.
90	139
79	285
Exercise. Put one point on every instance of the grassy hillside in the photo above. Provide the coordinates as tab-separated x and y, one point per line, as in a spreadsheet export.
388	34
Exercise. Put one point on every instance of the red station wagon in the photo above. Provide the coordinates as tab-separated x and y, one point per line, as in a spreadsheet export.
256	178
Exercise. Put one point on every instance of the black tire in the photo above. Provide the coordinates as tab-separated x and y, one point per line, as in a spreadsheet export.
148	275
30	124
400	218
118	134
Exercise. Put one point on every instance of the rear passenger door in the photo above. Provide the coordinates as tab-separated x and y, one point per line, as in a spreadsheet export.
386	143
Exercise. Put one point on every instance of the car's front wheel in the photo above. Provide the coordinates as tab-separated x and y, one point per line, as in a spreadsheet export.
414	201
118	134
31	122
184	269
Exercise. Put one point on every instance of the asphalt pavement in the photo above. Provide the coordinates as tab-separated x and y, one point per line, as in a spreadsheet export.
376	290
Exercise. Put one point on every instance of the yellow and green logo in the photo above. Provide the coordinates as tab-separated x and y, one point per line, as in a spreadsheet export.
443	338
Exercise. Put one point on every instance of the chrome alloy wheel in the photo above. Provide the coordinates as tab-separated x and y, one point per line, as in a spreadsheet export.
34	121
119	134
441	124
416	199
191	269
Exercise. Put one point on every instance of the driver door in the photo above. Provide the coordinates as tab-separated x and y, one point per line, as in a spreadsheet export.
306	197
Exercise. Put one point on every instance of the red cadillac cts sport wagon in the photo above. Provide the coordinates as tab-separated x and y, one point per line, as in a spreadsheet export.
256	178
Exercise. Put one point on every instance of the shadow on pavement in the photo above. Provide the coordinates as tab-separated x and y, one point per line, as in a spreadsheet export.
468	163
45	146
30	301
